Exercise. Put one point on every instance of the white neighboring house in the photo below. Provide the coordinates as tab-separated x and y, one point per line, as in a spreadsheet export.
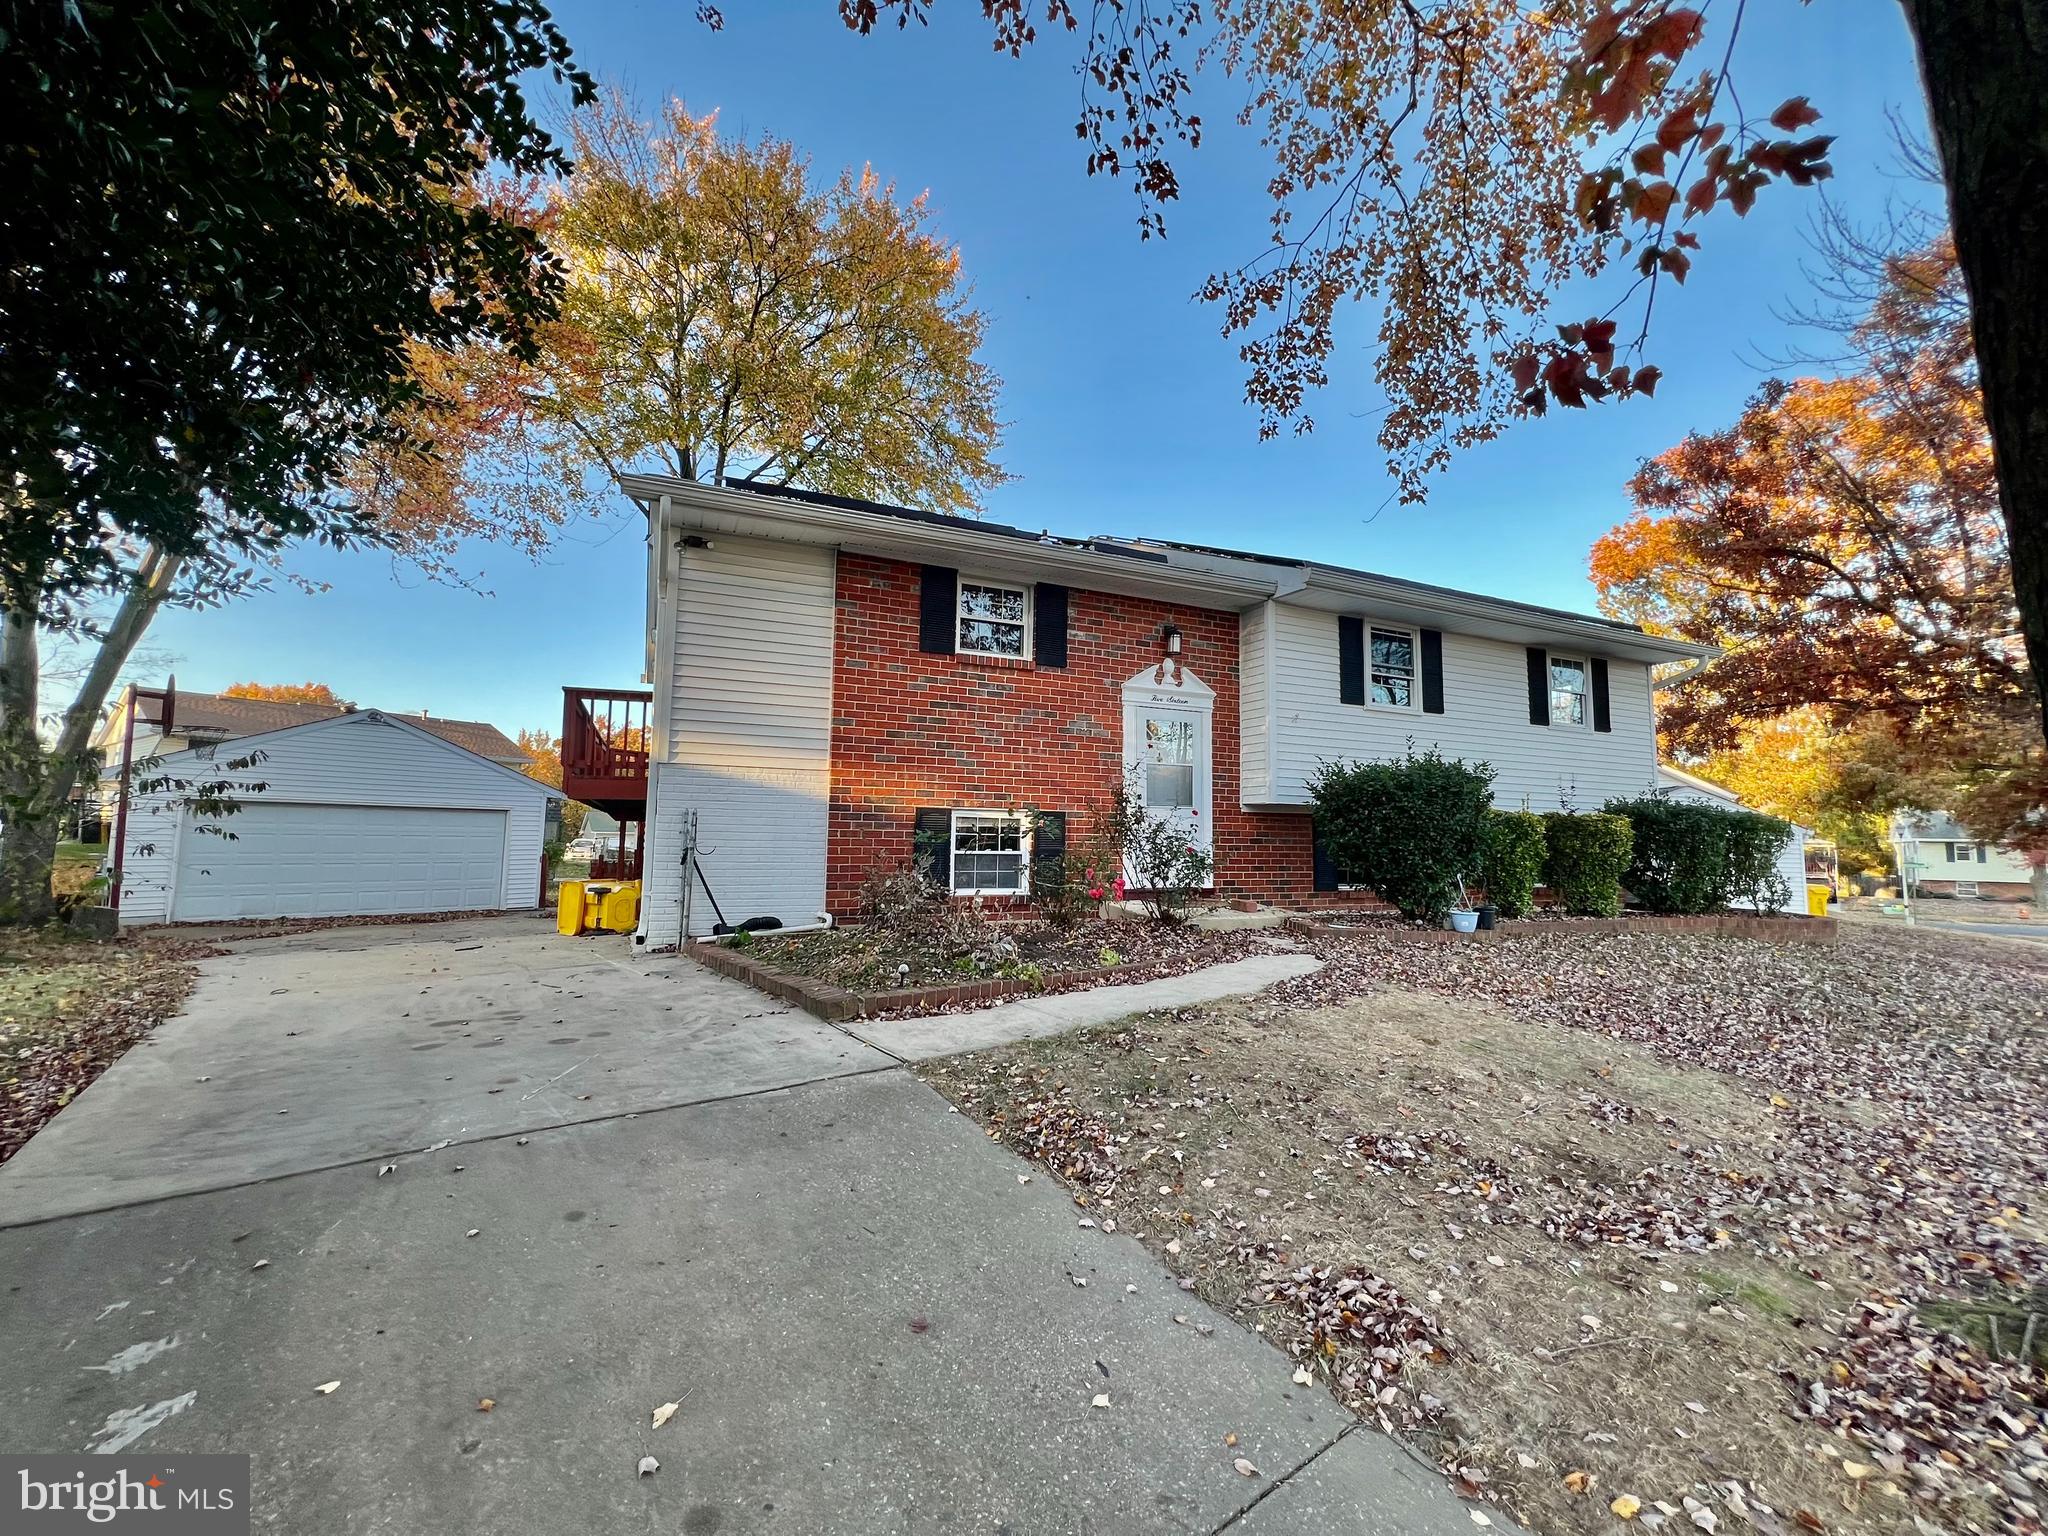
1681	785
362	814
1941	858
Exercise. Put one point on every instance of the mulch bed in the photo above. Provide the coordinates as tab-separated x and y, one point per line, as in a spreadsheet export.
1099	952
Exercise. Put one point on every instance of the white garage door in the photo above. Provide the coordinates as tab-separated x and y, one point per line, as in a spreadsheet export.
339	861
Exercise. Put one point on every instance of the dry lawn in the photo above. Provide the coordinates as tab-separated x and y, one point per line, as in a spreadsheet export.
70	1007
1695	1233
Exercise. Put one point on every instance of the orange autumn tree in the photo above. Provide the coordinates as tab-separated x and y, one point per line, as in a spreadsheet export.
1842	542
727	315
544	751
1458	161
286	693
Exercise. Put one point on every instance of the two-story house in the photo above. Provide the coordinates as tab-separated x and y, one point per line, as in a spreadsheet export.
836	685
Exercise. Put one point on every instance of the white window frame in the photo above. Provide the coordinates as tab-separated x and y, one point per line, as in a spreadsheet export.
960	586
1024	838
1551	690
1414	666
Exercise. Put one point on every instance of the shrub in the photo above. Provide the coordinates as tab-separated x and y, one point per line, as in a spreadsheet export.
1679	861
1167	871
1407	828
1754	843
1584	857
1511	860
1064	885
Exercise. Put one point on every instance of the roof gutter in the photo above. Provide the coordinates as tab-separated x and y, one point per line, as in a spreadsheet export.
938	542
1452	607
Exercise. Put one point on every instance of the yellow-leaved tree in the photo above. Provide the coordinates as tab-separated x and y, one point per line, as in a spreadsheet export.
725	317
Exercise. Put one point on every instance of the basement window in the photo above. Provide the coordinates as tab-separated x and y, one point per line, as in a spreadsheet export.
993	620
990	854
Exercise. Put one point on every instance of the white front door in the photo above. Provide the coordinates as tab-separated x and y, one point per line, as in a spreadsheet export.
1173	758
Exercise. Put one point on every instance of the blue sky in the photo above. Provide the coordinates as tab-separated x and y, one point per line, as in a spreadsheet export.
1124	404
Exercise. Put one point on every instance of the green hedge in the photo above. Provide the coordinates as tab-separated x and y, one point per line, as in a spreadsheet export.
1754	843
1584	857
1679	861
1691	857
1408	829
1511	860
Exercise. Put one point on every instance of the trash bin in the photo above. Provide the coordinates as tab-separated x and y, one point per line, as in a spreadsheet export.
1817	901
619	911
569	907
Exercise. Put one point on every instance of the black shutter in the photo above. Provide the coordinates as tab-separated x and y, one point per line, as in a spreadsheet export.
1432	671
1326	868
1603	719
1048	846
1350	660
1049	625
938	600
931	846
1539	686
1980	853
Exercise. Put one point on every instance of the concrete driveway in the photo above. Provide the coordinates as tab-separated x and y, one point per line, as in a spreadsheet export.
656	1185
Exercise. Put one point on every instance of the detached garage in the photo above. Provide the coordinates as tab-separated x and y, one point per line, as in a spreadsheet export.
360	815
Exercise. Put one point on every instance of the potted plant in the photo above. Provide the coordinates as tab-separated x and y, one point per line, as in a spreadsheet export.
1463	916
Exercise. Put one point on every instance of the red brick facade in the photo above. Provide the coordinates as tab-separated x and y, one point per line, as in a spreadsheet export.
911	729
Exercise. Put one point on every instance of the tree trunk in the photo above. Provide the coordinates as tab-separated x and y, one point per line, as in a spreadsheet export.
1985	67
36	781
28	838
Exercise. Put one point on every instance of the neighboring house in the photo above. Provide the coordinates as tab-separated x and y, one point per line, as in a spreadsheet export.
1940	858
833	678
1681	785
201	718
359	814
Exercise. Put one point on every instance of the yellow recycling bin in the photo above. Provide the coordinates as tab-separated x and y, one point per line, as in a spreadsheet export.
1817	901
619	910
569	907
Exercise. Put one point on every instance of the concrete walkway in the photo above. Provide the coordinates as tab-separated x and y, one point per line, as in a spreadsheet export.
870	1324
1031	1018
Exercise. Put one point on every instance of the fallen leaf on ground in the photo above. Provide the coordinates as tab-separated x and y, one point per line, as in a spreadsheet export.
326	1388
1578	1480
486	1404
1100	1400
1302	1377
649	1466
664	1413
1245	1468
1626	1505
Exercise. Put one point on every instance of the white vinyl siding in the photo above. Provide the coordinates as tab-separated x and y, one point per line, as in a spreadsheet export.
1254	743
1486	716
749	735
352	760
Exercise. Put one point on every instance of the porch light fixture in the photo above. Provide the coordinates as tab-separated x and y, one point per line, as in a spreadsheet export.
1169	640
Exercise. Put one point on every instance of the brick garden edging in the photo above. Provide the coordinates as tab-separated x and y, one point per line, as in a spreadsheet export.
1772	928
836	1005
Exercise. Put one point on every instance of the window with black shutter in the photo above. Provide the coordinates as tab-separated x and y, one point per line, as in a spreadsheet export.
938	592
1350	659
1049	625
